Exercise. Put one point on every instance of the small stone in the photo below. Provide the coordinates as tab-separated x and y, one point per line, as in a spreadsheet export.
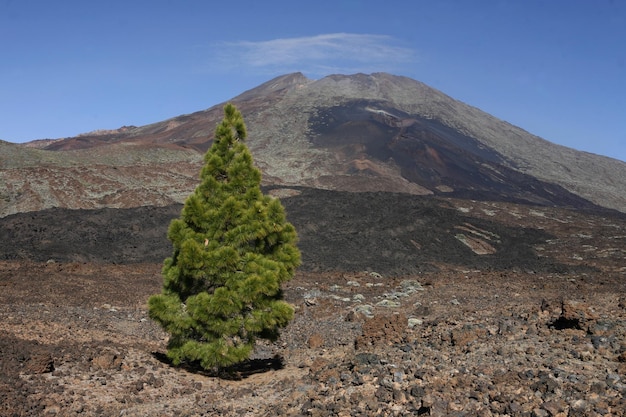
414	322
598	387
398	376
364	309
428	401
107	360
466	335
411	286
553	407
383	394
352	316
40	364
406	348
388	303
417	391
612	379
366	359
139	386
345	377
574	315
602	328
316	341
579	405
398	395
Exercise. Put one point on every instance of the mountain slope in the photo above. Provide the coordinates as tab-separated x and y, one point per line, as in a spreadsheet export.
361	132
596	178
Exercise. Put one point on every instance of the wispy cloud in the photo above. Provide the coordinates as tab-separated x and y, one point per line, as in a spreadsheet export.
316	55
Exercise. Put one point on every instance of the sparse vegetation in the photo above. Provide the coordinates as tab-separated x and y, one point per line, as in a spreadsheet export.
233	248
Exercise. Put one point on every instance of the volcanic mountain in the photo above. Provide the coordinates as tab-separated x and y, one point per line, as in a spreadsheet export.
360	132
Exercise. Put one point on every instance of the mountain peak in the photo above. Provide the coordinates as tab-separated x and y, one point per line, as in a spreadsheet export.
274	86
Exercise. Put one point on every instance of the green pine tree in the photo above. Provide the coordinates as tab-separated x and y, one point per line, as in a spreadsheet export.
233	248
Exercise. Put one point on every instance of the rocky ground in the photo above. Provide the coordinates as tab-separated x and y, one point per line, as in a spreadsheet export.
522	314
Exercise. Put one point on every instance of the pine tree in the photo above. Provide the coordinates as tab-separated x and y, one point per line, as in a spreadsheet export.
232	250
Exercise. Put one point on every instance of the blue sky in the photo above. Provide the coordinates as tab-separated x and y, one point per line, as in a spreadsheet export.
556	68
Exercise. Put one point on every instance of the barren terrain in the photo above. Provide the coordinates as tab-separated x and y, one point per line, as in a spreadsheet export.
405	305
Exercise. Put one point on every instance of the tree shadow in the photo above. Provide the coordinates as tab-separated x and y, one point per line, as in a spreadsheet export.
235	372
